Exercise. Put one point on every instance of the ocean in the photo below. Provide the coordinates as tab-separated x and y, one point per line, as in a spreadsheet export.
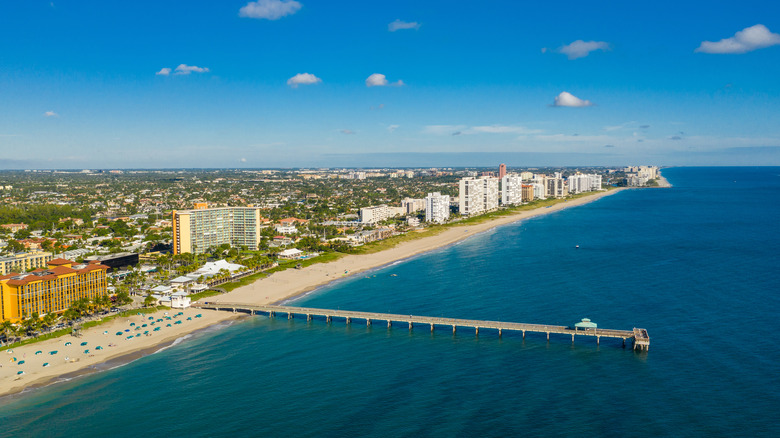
696	265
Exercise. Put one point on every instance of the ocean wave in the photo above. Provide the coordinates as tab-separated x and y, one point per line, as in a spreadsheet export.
174	343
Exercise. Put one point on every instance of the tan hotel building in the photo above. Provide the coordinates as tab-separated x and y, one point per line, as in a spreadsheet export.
197	230
51	289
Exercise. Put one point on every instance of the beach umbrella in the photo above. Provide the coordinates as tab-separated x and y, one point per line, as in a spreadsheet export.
178	322
38	352
67	343
53	352
146	332
189	318
132	324
86	351
143	325
151	318
119	333
46	364
127	330
198	315
157	329
138	335
167	325
130	337
98	347
83	344
105	332
21	362
20	372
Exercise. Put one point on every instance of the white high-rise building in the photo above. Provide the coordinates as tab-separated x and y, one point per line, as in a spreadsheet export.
478	195
471	195
437	207
511	189
584	183
539	190
490	199
372	215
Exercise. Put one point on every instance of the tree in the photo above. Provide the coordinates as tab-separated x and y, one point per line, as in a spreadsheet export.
149	301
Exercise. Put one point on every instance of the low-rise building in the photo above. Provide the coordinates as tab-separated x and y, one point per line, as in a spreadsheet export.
24	261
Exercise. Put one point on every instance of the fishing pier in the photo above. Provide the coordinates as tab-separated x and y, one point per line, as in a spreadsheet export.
638	337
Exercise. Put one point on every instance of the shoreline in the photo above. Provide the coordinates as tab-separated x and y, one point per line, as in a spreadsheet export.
290	284
279	287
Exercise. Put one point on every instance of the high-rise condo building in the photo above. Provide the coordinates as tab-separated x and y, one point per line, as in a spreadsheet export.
478	195
196	231
437	207
527	192
501	171
556	187
584	183
50	290
511	189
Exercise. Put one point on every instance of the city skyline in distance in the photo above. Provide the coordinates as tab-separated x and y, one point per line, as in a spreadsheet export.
309	83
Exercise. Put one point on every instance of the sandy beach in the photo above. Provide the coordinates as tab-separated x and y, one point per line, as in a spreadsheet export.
72	360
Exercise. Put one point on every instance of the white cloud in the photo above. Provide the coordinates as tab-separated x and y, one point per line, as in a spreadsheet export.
570	100
270	9
380	80
243	160
303	79
50	114
165	71
392	128
746	40
184	69
399	25
581	49
619	127
347	132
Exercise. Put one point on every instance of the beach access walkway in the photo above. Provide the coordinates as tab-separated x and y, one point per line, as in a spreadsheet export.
639	337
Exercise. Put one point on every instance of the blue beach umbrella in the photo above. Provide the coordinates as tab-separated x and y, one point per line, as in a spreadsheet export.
86	351
67	343
38	352
21	362
119	333
53	352
19	372
46	364
98	347
83	344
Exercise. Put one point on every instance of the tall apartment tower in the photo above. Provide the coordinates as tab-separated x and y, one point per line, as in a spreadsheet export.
437	207
501	171
478	195
196	231
511	189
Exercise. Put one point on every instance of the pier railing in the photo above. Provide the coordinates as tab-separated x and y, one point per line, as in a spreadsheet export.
639	337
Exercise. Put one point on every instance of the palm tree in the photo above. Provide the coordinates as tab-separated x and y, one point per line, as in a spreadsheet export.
6	328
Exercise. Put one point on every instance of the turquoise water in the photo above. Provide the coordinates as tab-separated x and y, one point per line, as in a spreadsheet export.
696	265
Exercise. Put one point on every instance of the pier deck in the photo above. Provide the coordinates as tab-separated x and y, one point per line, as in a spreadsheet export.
639	337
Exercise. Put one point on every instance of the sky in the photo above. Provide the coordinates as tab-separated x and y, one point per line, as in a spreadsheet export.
313	83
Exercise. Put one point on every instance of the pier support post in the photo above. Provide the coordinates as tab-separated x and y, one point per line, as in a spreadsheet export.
289	315
572	338
368	322
453	329
389	323
272	314
476	331
308	317
234	310
523	334
624	342
327	319
431	327
598	340
548	336
499	333
410	325
349	320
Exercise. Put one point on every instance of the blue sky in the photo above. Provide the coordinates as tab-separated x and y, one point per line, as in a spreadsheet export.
276	83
